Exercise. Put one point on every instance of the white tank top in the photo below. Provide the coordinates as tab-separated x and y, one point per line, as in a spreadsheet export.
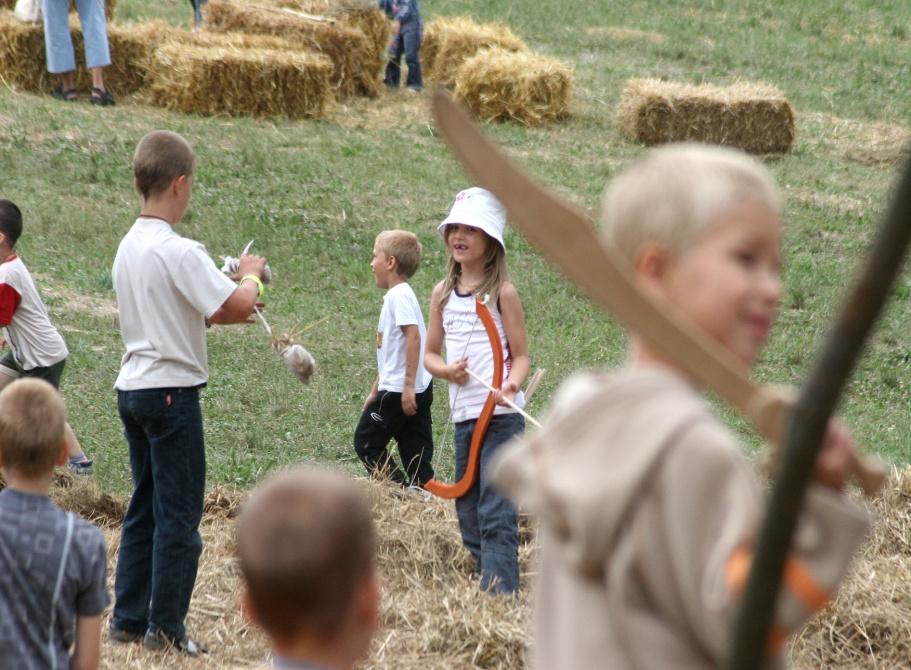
466	337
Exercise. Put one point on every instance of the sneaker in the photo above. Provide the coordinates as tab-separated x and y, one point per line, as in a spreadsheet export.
156	640
417	492
123	636
80	467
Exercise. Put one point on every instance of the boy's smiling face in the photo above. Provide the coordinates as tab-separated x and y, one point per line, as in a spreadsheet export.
728	282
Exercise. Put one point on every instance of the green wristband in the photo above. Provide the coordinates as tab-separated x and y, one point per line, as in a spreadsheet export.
259	283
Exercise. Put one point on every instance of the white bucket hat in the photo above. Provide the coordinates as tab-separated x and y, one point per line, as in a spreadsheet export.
478	208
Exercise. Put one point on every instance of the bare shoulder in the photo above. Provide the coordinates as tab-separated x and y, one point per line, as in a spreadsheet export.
437	292
508	292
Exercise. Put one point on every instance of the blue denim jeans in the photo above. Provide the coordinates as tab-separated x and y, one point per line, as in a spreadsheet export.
487	519
160	542
58	43
407	42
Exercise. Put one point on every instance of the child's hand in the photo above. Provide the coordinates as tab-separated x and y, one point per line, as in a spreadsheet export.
456	372
369	399
409	402
250	264
836	454
2	342
508	392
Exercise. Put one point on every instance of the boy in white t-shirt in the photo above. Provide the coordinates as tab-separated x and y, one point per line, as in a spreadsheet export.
168	292
36	348
398	405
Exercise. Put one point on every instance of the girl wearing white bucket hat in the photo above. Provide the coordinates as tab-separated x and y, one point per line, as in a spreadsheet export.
477	314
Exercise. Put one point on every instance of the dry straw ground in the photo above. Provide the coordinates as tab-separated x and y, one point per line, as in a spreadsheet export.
753	117
434	617
501	85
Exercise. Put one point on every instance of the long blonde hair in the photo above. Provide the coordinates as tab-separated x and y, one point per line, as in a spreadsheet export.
495	273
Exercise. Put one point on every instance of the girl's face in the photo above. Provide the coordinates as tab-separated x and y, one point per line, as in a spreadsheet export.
467	245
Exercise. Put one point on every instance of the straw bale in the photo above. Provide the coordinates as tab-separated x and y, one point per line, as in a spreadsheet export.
357	66
363	14
23	62
450	41
754	117
500	85
237	82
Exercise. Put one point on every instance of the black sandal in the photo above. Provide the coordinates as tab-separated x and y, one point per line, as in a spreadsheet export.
102	97
67	95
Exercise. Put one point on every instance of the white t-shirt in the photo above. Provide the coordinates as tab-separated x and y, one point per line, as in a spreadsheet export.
400	308
166	287
33	340
465	336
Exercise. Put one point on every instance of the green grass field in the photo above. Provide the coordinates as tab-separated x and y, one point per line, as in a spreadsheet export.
313	195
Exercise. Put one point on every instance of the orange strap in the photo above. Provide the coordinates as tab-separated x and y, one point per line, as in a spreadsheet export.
796	577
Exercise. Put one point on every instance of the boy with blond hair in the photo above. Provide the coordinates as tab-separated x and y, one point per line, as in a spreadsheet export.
52	564
649	509
168	292
307	551
398	404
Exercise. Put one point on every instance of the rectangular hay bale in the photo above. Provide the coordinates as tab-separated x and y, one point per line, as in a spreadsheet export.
23	62
500	85
450	41
363	14
241	82
357	67
754	117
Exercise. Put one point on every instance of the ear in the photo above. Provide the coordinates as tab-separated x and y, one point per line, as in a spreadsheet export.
246	607
652	263
392	262
367	608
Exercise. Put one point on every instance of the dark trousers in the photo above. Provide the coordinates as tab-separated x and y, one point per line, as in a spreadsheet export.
487	519
383	420
160	542
407	42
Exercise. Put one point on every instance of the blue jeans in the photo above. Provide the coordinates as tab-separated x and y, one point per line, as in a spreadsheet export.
58	43
407	42
487	519
160	542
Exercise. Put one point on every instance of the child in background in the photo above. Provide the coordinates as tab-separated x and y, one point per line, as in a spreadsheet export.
407	33
473	233
649	509
398	405
36	347
168	292
307	551
52	564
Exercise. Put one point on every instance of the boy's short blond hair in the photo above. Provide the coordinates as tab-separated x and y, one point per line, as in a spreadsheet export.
673	194
32	424
404	247
161	157
306	545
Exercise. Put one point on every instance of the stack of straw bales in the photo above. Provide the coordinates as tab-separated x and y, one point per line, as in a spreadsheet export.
754	117
23	62
500	85
241	81
450	41
363	14
356	64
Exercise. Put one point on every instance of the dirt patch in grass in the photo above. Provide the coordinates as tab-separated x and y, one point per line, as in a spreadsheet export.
70	300
874	144
624	34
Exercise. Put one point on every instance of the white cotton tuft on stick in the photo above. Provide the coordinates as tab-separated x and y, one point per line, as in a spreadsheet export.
300	362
